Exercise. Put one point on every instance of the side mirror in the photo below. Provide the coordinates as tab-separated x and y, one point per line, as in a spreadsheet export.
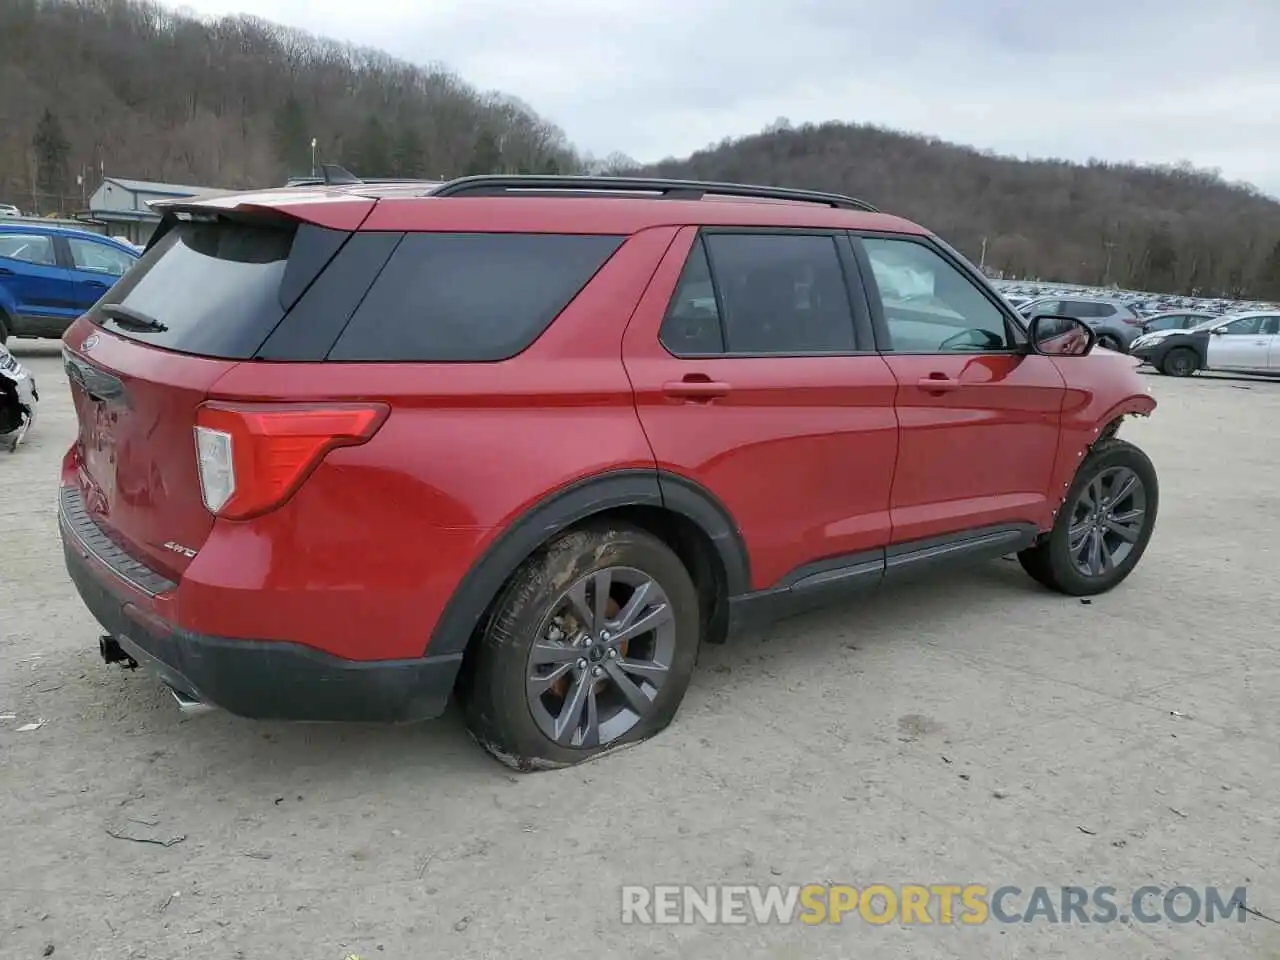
1055	336
1218	331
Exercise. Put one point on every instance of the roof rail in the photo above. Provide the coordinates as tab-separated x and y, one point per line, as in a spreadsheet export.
491	185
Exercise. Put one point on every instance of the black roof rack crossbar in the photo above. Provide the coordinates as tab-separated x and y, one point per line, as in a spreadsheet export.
490	185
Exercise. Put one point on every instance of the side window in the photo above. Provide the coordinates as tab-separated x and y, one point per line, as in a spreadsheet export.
1103	310
1245	326
781	293
929	305
1079	309
692	325
1271	326
470	296
99	258
28	247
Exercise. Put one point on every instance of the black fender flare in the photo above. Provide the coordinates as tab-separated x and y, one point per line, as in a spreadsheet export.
573	504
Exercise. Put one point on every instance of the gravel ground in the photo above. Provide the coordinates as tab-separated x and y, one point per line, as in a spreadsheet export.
973	729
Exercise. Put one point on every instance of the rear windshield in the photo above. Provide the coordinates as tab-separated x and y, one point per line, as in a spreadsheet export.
212	289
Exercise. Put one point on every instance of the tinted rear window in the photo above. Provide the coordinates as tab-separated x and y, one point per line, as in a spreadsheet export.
470	297
212	288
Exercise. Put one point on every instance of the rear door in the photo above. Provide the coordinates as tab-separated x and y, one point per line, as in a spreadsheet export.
756	379
95	267
979	416
203	298
40	288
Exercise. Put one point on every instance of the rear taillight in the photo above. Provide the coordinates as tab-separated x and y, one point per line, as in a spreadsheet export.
1133	321
253	456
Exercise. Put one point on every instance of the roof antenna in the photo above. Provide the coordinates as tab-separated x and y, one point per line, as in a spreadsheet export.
334	174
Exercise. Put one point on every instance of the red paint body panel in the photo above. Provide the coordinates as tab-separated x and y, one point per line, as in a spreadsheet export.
801	451
980	453
1100	388
134	461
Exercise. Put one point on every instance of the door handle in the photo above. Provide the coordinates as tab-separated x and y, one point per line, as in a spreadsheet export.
696	387
5	272
938	383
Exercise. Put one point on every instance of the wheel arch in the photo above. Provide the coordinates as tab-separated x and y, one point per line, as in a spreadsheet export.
682	513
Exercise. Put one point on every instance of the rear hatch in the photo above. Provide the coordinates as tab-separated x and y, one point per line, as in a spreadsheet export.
212	287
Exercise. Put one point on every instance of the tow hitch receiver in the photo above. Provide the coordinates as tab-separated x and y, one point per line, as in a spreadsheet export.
112	652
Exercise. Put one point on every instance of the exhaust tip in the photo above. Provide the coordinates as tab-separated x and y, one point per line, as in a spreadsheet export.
188	705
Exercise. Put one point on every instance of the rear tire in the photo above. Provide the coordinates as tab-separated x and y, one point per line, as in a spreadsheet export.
570	700
1104	524
1179	362
4	328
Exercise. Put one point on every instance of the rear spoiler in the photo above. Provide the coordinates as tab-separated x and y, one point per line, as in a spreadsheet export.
330	209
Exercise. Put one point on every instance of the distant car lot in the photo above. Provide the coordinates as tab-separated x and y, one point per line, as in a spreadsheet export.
1144	304
969	729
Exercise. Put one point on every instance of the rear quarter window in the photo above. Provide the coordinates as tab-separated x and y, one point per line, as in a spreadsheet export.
470	297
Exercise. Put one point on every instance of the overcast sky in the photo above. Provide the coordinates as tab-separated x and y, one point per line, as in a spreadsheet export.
1194	80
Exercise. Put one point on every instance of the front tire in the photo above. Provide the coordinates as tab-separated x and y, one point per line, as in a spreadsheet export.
1103	526
591	646
1179	362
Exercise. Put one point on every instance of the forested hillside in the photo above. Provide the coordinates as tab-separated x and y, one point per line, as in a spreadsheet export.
1167	229
140	91
135	90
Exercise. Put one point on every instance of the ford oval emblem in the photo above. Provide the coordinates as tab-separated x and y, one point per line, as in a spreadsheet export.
89	342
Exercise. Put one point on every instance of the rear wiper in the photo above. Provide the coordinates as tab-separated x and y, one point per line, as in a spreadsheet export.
128	317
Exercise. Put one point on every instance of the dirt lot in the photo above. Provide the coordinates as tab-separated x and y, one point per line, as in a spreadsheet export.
969	730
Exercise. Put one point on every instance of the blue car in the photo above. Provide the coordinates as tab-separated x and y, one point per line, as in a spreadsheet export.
51	275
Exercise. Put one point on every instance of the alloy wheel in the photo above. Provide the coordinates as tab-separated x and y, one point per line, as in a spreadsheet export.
1107	520
600	657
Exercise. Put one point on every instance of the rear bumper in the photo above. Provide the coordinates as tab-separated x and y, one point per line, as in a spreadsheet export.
264	680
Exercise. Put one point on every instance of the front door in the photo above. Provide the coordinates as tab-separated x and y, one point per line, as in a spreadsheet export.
1242	344
979	416
757	380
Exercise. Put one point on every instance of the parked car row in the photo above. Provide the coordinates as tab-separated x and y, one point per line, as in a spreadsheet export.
1143	304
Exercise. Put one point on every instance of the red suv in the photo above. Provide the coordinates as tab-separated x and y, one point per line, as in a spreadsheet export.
345	450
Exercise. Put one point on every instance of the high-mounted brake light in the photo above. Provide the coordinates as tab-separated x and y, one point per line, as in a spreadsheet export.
253	456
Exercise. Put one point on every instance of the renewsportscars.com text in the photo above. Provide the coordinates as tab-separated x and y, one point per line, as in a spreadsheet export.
970	904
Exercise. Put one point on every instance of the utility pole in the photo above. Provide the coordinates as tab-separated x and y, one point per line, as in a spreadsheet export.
1106	275
982	261
313	156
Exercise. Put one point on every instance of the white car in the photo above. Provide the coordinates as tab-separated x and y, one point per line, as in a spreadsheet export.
9	210
1237	343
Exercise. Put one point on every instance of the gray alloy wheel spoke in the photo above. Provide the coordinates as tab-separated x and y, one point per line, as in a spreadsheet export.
1128	532
582	612
634	696
566	724
650	621
591	733
544	652
1127	481
603	586
538	685
1095	553
1077	534
655	673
